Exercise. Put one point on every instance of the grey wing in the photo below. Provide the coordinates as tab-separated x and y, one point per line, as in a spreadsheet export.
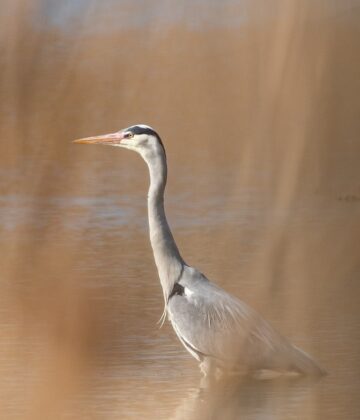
218	325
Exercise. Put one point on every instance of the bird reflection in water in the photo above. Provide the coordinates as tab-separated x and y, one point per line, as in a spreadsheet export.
247	398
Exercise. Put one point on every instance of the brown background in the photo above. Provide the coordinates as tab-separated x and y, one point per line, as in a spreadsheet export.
258	106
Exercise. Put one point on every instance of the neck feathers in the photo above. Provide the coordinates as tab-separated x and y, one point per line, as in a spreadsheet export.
167	257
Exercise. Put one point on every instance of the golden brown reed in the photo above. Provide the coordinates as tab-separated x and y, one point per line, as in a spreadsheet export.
272	100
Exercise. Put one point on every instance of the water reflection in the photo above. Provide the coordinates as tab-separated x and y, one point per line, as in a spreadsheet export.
255	103
247	399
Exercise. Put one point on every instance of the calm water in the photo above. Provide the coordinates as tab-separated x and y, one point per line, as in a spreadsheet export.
258	113
84	335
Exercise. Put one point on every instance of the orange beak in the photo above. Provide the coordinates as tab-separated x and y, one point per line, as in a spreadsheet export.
112	138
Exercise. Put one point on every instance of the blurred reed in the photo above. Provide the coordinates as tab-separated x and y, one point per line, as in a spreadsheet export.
272	97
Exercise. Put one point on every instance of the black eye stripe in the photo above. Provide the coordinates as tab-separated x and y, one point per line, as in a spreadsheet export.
136	129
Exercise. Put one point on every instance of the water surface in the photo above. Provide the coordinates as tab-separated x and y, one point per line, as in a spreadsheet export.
257	108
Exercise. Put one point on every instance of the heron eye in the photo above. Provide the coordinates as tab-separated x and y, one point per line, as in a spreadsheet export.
129	135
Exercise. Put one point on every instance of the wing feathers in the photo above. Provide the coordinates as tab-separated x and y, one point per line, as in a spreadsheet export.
214	323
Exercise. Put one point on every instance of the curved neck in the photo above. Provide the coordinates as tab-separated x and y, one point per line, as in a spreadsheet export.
167	256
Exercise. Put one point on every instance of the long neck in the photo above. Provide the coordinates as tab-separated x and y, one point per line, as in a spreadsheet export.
167	257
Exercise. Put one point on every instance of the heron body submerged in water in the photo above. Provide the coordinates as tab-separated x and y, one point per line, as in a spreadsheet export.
219	330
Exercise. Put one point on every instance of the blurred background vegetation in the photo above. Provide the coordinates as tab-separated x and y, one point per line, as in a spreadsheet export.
258	105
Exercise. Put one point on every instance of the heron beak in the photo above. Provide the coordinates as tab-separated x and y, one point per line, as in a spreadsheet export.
110	139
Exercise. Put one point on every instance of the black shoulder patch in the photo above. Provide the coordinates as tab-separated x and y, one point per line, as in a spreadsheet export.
177	290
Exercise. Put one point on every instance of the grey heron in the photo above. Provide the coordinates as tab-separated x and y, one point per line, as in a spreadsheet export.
219	330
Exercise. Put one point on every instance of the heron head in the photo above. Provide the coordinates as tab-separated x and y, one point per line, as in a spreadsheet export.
140	138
